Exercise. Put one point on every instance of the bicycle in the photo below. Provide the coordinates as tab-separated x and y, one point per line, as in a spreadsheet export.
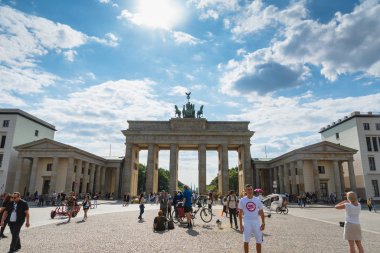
282	210
205	213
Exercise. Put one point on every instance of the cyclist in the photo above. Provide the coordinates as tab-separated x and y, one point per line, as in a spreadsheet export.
187	205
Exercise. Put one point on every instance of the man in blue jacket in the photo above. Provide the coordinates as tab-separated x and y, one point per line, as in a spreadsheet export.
187	204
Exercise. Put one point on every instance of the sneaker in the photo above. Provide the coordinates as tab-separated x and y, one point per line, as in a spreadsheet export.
231	225
237	227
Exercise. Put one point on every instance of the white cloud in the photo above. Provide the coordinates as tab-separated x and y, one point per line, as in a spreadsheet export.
7	99
214	8
185	38
85	116
286	123
232	104
24	38
69	55
178	90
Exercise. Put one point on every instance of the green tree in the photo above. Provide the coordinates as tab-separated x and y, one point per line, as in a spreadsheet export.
141	179
163	179
233	180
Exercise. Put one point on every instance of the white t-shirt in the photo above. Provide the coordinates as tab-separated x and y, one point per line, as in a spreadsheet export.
251	208
352	213
232	199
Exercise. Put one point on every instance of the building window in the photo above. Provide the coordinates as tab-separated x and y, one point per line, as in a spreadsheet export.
324	189
1	159
36	133
375	185
374	142
377	126
49	167
369	146
2	143
6	123
372	164
337	136
321	169
366	126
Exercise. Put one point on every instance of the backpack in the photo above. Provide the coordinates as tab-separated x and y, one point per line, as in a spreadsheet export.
170	224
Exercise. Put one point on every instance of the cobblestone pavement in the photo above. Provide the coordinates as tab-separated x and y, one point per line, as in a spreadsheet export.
122	232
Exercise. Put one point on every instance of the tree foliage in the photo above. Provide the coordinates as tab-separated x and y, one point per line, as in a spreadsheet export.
233	180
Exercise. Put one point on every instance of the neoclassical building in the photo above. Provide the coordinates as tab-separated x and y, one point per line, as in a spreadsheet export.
49	166
321	168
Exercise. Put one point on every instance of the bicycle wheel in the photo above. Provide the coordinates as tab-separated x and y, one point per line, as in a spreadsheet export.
206	215
175	219
285	210
278	210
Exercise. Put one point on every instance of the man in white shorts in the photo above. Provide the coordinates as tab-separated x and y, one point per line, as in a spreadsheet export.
251	207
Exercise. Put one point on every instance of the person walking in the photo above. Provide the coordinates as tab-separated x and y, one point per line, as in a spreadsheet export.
187	205
16	213
251	207
369	204
128	198
164	202
352	230
210	200
70	204
142	206
7	200
232	205
86	205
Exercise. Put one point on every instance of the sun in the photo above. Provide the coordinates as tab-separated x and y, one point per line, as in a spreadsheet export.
163	14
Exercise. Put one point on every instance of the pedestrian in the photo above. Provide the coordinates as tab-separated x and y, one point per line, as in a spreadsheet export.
352	230
86	205
369	204
96	197
16	213
210	201
159	223
251	207
128	198
7	200
125	199
142	206
232	205
187	205
164	202
70	204
373	205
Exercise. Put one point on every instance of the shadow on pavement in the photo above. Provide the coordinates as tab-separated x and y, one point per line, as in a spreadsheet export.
192	232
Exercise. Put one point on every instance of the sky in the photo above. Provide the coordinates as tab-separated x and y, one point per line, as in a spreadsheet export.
288	67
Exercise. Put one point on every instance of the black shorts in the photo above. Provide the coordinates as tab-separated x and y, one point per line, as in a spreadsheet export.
188	209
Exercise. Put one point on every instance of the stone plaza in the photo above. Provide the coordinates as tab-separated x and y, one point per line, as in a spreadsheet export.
113	228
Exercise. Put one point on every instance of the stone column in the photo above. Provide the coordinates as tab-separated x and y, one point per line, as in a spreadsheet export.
270	180
248	173
127	170
103	179
257	179
150	169
281	179
293	178
155	168
97	178
286	178
224	173
16	186
317	182
300	176
351	174
85	178
69	175
173	180
343	184
92	177
276	190
77	176
338	186
33	175
117	180
202	169
53	178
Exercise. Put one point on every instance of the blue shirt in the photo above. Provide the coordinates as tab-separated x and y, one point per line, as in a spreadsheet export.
187	194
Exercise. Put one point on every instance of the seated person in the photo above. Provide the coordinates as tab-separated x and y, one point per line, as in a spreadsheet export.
159	222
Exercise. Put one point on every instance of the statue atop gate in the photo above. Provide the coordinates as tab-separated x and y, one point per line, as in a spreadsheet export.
188	110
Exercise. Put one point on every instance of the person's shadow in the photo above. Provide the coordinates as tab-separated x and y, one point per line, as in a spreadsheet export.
192	232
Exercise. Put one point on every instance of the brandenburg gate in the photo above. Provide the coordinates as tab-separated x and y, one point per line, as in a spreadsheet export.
189	132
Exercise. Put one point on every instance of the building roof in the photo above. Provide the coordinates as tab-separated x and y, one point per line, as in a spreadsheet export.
355	114
28	116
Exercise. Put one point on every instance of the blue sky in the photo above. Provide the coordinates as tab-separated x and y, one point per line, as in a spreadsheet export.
288	67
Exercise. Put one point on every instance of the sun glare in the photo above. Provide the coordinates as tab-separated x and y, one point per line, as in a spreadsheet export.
159	13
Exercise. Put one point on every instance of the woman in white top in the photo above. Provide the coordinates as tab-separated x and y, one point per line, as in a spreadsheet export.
352	229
